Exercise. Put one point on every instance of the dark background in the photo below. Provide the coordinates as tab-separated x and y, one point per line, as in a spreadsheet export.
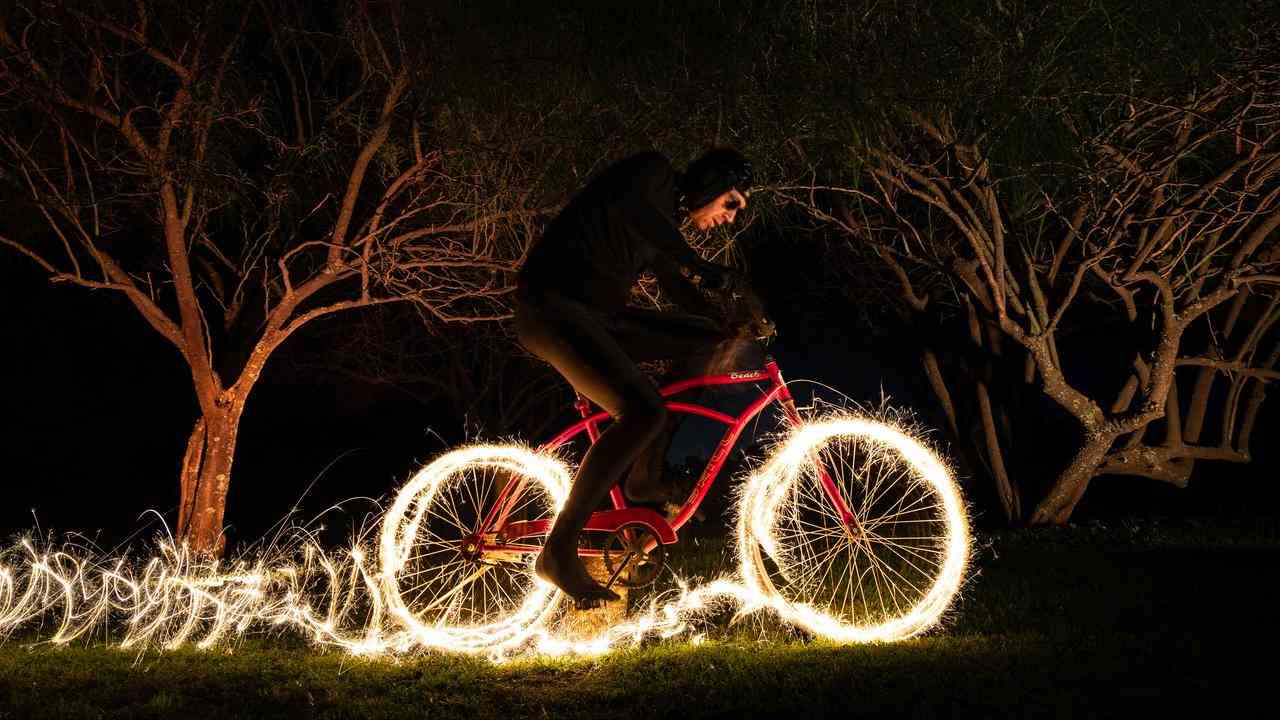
97	408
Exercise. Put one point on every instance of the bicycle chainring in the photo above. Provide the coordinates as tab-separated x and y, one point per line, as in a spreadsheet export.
627	559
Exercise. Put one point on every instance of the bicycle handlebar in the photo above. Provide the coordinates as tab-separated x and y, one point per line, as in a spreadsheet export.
744	312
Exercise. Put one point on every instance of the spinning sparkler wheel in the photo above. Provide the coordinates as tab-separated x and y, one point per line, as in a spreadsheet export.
855	531
449	573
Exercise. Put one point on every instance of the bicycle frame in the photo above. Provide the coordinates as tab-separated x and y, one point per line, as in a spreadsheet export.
496	535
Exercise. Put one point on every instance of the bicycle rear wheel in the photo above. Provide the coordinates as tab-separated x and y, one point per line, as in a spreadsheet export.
886	571
444	576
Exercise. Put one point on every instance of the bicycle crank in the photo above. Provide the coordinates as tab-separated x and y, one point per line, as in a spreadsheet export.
633	556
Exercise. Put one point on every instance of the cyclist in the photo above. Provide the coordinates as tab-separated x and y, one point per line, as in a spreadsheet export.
571	310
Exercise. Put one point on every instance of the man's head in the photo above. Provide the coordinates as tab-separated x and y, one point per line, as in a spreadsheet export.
716	186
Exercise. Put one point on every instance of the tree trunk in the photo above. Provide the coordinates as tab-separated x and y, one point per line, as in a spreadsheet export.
933	372
1060	502
206	476
1010	503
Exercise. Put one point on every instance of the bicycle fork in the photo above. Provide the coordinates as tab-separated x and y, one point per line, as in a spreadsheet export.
852	526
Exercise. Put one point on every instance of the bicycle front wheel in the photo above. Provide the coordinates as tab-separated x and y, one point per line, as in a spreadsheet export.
447	576
854	531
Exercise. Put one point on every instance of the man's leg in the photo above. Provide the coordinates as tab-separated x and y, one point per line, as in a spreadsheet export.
698	346
575	343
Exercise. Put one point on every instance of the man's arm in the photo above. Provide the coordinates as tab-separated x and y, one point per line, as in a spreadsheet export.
652	188
678	288
655	180
654	226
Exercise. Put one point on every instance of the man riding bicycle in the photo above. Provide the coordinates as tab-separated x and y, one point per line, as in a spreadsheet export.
571	310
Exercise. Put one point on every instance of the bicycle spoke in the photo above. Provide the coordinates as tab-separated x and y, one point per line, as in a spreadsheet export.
445	580
869	571
458	589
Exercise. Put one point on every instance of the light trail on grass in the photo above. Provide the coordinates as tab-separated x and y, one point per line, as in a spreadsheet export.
341	599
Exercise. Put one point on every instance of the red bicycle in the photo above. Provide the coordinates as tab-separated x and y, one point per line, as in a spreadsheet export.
852	528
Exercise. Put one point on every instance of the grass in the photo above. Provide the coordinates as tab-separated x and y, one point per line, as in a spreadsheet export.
1096	621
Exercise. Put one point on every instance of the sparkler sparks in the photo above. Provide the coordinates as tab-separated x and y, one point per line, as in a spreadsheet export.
886	569
891	572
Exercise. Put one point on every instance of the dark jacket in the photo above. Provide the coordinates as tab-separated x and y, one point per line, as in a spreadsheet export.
621	224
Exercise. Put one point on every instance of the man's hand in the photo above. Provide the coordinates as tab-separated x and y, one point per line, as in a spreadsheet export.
712	276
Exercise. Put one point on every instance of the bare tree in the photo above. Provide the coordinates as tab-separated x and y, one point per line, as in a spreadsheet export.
237	170
1170	226
476	369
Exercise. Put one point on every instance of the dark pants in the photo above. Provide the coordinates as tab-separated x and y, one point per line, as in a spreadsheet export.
597	353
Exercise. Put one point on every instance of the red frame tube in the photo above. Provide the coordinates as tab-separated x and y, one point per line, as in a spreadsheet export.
623	514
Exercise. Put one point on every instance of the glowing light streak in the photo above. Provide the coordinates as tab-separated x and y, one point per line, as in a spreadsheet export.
791	464
337	598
